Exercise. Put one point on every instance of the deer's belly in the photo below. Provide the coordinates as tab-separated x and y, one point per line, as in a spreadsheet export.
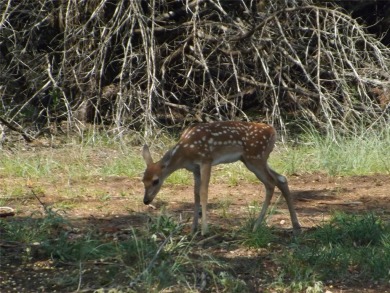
223	158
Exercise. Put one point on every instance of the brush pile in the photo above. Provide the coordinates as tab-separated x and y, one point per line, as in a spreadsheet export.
141	64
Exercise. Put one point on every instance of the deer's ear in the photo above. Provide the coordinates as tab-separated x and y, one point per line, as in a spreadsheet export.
146	155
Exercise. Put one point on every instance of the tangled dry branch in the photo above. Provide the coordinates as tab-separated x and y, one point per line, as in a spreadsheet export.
143	63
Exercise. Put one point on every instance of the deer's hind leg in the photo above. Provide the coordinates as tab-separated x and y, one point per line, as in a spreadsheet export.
260	169
281	183
197	183
205	173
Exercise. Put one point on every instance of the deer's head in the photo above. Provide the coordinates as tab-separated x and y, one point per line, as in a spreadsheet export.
154	175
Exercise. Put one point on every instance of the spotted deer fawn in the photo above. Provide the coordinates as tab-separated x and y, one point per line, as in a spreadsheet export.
204	145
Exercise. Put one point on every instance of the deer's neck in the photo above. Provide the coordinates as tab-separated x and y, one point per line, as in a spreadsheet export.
175	159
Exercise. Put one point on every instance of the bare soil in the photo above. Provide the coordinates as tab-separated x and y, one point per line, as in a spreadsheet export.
119	207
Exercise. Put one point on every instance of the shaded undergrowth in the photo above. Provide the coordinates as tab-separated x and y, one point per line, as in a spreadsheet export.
349	249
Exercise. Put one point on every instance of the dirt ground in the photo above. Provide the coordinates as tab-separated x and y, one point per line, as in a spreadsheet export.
316	197
120	207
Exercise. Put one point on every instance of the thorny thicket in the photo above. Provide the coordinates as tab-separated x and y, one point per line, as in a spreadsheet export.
142	63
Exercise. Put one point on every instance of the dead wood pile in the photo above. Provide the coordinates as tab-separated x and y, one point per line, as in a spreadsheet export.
146	63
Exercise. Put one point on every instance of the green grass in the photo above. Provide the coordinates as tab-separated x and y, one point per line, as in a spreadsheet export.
261	238
26	166
144	260
34	229
163	256
344	250
361	152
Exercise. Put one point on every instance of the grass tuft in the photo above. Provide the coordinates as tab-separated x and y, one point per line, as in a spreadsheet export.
262	237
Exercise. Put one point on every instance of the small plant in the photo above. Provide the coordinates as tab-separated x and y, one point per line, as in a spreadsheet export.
65	205
105	197
231	283
163	224
260	238
164	255
88	247
224	204
136	251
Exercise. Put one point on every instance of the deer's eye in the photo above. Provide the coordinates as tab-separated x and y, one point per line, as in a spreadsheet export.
156	182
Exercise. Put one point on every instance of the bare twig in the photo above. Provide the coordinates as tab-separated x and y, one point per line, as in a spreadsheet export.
18	129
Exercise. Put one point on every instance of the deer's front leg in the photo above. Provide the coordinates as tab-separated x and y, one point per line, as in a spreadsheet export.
197	182
205	172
